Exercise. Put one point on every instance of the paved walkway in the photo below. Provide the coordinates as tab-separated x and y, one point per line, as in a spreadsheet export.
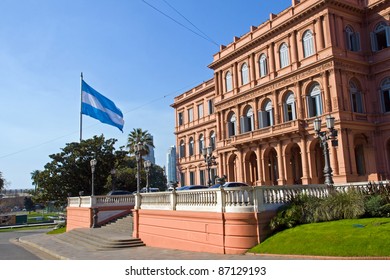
53	246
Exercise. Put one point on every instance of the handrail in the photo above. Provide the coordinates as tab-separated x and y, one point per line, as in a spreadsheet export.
237	199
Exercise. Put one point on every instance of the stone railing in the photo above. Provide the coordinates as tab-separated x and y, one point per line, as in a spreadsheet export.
240	199
101	201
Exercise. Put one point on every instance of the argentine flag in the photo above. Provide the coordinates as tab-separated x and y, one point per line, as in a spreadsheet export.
99	107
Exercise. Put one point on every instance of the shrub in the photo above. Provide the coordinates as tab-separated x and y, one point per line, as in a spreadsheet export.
384	210
344	205
373	204
305	209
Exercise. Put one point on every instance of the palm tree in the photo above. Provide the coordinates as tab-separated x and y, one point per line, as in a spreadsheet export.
138	136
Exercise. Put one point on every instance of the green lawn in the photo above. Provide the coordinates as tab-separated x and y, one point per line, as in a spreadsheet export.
357	237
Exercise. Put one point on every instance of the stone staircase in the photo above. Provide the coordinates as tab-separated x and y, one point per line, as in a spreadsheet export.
114	235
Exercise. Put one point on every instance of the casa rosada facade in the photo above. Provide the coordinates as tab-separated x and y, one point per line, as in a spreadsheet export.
314	59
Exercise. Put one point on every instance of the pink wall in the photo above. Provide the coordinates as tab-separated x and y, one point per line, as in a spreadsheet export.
81	217
224	233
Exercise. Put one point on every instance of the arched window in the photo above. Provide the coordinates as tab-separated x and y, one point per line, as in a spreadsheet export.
356	98
308	43
191	147
228	81
182	151
232	125
359	159
247	121
352	39
289	107
385	95
314	101
244	74
380	38
263	65
283	52
212	140
266	116
201	143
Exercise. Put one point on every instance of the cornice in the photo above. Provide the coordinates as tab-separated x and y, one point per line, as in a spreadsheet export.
286	25
275	84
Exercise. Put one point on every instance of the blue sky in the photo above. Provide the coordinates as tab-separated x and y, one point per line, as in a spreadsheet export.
127	51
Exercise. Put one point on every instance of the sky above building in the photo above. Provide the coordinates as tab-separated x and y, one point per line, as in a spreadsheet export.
140	54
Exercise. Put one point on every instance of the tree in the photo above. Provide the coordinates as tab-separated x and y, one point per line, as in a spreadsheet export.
69	172
28	204
139	136
2	181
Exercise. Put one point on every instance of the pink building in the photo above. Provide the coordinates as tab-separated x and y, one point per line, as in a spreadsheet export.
314	59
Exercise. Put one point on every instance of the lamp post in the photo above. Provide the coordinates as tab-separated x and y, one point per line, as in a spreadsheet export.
138	157
209	159
95	210
93	163
113	173
147	165
324	136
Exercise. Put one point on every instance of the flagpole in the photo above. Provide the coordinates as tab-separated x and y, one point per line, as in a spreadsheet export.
81	101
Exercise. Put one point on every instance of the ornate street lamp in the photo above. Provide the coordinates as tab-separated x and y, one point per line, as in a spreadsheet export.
113	173
138	157
147	165
93	163
209	159
324	136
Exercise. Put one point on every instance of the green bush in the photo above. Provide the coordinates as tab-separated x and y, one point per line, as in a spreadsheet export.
384	210
344	205
305	209
373	204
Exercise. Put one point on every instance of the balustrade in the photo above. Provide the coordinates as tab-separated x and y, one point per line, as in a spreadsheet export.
238	199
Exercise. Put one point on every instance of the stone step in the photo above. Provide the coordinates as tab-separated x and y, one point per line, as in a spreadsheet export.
117	234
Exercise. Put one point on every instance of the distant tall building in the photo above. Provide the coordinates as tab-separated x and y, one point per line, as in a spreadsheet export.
150	156
171	165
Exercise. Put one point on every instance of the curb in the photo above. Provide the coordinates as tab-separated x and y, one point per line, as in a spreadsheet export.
43	249
310	257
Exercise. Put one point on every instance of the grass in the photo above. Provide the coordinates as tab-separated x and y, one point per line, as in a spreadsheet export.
24	228
57	231
344	238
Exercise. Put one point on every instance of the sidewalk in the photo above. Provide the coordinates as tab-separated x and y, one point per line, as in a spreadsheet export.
51	245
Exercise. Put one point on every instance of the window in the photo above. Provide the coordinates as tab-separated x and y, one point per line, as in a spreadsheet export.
210	103
380	38
283	52
314	101
192	178
182	179
263	65
244	74
246	121
182	151
352	39
308	43
201	143
266	117
201	177
191	147
385	95
200	111
228	81
289	107
356	98
359	159
212	140
232	125
190	115
180	118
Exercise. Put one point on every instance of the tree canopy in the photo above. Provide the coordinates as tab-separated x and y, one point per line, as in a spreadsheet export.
2	181
69	171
